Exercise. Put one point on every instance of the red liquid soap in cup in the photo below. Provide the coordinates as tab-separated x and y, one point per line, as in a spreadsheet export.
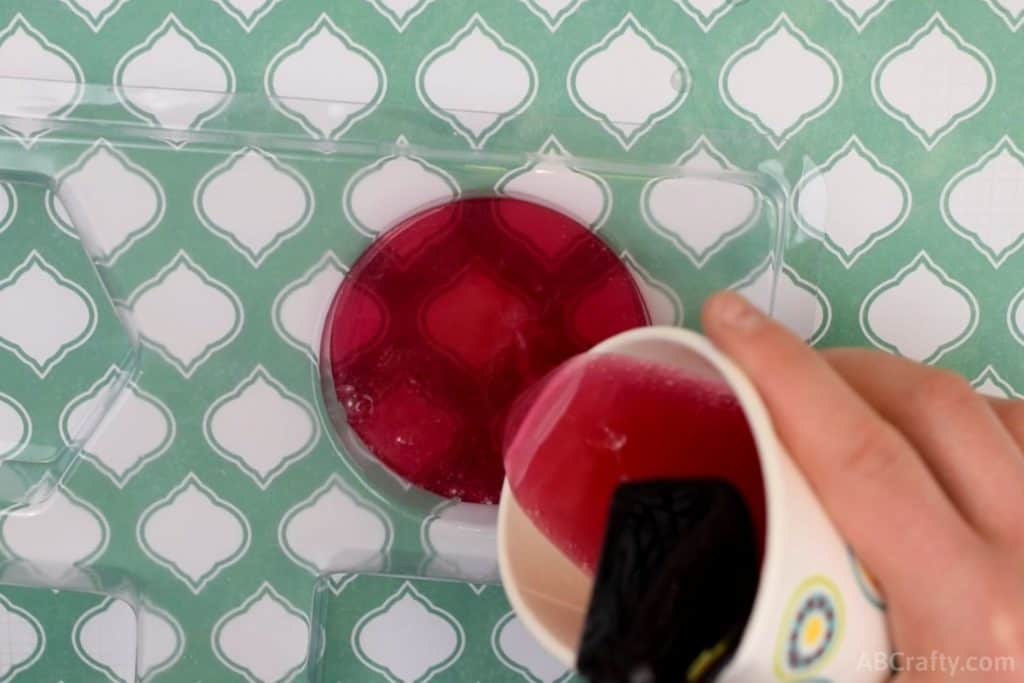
646	477
602	420
448	317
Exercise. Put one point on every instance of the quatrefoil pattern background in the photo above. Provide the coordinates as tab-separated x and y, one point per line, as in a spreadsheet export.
895	123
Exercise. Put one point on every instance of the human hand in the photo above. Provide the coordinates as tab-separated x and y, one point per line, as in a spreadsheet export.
923	477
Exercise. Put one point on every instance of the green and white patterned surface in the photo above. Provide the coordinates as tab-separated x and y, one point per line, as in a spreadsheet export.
895	122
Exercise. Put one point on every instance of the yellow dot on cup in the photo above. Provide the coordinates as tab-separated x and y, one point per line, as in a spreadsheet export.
813	631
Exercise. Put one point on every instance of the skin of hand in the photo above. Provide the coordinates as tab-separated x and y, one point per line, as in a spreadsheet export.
923	477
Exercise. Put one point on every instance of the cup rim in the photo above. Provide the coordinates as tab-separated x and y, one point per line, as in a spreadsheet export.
513	591
769	449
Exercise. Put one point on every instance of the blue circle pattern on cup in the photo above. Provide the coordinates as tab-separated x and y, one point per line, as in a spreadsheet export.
868	584
812	633
811	630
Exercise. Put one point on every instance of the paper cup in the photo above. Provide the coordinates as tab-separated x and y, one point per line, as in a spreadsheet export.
817	613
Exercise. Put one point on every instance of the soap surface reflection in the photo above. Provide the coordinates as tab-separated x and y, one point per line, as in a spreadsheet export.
448	317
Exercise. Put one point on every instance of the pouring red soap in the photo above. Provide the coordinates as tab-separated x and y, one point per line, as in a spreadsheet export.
602	420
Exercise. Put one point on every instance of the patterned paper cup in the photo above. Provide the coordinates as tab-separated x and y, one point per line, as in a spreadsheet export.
816	614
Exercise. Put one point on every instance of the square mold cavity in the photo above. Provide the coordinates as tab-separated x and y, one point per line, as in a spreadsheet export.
78	636
65	355
406	629
682	232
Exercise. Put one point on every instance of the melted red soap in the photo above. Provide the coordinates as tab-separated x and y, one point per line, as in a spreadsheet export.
445	319
606	419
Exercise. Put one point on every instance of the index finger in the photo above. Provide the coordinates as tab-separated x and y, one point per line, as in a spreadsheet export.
1011	412
874	486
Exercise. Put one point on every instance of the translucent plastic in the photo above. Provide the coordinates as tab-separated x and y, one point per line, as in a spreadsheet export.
289	257
54	304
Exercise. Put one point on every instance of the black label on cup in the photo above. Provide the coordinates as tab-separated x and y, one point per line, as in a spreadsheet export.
675	585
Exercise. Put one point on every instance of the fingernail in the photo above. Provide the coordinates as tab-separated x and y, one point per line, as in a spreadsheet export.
733	311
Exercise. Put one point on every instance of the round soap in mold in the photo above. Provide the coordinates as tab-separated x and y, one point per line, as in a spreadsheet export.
452	314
